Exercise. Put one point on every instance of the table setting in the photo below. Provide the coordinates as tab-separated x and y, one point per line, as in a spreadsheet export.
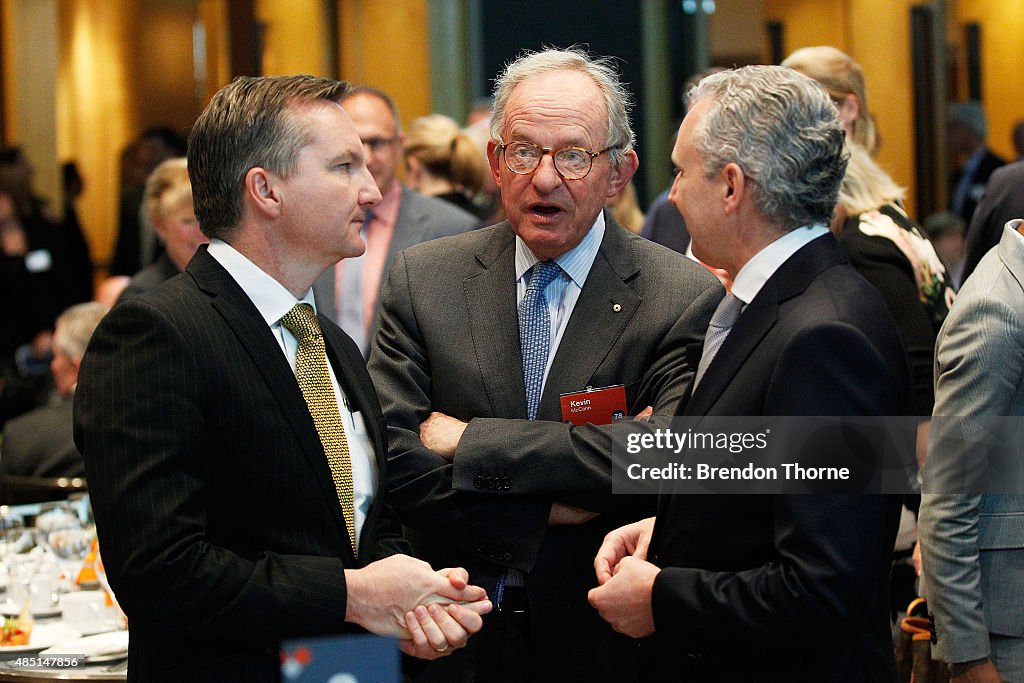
59	619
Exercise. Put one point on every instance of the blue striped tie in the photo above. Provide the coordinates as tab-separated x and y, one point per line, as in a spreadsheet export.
535	332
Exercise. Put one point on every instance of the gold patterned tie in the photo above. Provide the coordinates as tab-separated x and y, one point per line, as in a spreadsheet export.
315	382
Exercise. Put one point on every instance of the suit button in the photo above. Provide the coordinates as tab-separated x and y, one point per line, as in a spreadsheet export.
479	482
506	483
479	550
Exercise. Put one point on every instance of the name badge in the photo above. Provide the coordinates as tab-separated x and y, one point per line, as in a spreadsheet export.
38	261
597	406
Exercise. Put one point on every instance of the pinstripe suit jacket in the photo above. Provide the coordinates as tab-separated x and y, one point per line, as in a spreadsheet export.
218	520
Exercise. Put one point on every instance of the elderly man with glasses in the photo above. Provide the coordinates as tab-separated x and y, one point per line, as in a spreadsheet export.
482	333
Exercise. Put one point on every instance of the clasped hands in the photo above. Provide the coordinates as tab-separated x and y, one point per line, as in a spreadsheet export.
626	579
431	613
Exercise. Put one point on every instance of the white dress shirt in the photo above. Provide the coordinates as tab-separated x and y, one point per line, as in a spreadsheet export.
273	301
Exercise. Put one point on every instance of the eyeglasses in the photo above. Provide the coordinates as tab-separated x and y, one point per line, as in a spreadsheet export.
572	163
377	144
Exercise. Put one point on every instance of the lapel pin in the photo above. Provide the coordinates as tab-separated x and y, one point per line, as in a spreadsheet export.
616	307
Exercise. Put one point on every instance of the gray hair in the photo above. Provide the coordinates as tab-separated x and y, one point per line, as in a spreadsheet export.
75	327
617	100
971	115
249	123
782	130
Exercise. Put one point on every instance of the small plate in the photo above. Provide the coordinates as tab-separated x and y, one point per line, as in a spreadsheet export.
102	647
43	636
9	610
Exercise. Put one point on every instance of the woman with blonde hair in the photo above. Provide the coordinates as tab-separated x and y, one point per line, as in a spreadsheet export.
880	238
167	201
444	162
844	80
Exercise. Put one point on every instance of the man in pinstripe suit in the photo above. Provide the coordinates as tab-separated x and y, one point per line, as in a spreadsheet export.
217	511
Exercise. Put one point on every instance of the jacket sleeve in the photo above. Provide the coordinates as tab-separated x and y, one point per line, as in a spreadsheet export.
979	365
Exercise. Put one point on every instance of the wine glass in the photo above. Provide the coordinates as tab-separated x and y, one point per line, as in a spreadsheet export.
15	546
70	544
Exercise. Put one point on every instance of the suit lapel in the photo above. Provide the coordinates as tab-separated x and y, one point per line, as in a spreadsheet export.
408	232
603	310
494	324
1011	255
256	338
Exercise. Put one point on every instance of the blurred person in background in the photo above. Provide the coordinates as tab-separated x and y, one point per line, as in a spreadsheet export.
81	260
1018	139
625	209
37	282
442	161
1002	202
136	245
167	203
40	443
971	163
349	293
946	230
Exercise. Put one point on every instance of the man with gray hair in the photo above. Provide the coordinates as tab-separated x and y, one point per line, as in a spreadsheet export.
471	361
768	587
40	443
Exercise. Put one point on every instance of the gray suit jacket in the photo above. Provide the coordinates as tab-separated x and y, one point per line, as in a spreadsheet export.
420	219
40	443
972	589
449	342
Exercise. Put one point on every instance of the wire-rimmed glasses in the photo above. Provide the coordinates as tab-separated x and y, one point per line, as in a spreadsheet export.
572	163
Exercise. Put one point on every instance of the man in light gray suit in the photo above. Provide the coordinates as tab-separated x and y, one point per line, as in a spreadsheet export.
972	511
460	370
349	293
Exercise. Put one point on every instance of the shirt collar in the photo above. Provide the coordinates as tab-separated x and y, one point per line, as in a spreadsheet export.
576	262
762	266
270	297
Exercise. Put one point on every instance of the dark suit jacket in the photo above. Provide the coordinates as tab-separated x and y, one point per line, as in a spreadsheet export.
216	512
1003	201
449	341
420	219
39	443
787	587
976	185
154	274
665	225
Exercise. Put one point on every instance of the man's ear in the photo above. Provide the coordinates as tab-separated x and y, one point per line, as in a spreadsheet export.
623	172
262	191
493	160
736	185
